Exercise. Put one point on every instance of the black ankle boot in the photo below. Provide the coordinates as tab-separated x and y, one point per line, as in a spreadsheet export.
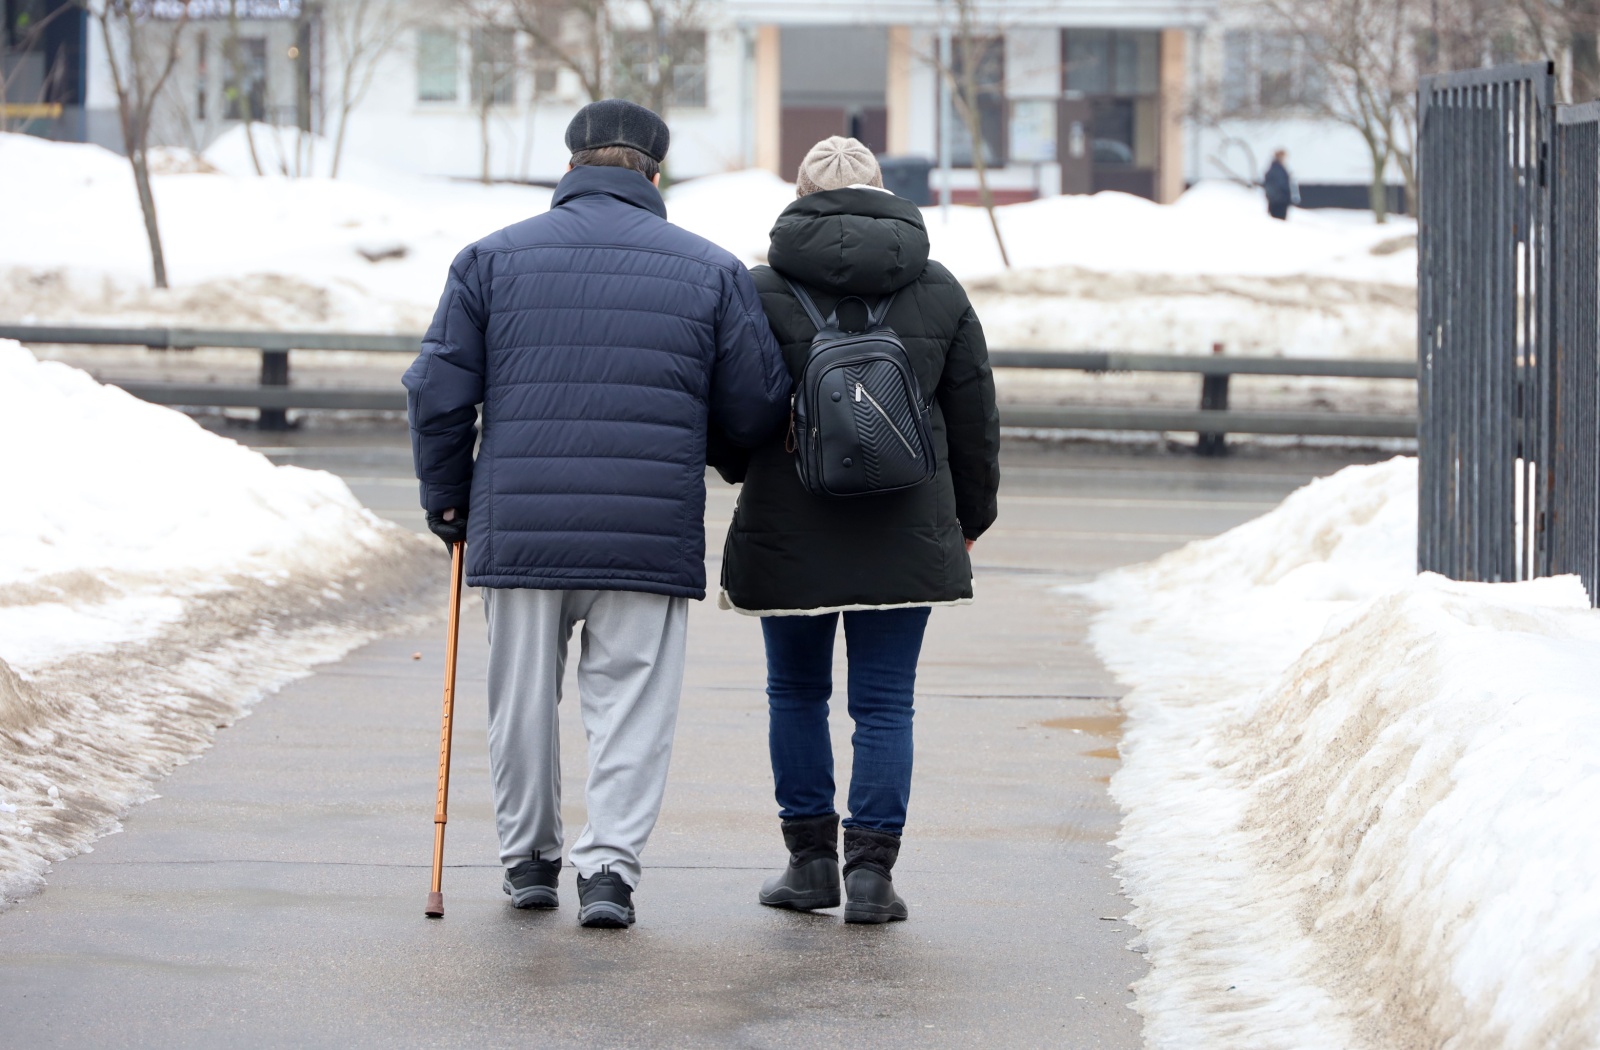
812	878
869	894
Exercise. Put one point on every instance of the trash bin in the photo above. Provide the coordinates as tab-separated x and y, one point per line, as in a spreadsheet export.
908	177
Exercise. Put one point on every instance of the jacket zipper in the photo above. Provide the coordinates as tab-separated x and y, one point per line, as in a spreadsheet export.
860	390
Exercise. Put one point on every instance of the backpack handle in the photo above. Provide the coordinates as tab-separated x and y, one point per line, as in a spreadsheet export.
875	315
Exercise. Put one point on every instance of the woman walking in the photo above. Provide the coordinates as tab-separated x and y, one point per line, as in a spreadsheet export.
879	561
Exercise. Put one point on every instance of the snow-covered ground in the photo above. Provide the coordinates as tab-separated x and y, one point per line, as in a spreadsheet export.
1359	802
155	580
369	252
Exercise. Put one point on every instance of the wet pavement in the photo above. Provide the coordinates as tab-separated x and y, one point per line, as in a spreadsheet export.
272	896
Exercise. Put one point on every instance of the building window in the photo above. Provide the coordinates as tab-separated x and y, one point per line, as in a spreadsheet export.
638	60
494	66
437	58
1112	62
1267	71
245	86
988	63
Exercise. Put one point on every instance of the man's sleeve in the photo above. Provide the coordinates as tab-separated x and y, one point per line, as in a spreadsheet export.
444	387
749	381
972	426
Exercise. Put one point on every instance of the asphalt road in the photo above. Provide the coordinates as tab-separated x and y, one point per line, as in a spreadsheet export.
272	896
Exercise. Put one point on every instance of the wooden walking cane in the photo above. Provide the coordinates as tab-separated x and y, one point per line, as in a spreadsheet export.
435	908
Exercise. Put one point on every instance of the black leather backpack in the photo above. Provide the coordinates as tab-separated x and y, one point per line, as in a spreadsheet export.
859	424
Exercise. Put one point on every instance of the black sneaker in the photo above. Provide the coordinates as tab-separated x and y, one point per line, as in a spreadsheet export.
605	901
532	884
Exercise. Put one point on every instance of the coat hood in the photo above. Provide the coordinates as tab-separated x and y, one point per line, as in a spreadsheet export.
856	240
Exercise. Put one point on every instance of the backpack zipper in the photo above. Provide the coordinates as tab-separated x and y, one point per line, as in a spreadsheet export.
860	390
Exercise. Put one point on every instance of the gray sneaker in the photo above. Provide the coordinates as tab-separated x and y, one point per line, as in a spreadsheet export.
532	883
605	901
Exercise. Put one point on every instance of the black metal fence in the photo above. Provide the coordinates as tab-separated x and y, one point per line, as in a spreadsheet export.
1507	339
1575	263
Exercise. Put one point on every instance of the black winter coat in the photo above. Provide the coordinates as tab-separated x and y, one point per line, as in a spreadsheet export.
789	551
1278	186
600	341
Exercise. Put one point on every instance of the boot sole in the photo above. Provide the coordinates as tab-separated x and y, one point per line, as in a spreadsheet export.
867	912
604	915
797	903
540	897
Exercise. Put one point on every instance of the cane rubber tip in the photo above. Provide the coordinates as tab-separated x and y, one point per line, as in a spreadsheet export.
435	908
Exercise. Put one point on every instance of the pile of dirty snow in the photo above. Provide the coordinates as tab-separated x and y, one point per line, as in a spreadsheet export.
1359	802
369	252
156	579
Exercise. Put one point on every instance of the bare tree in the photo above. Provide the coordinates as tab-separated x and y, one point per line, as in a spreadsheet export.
360	34
1364	49
961	72
493	65
238	93
646	60
633	50
573	34
141	61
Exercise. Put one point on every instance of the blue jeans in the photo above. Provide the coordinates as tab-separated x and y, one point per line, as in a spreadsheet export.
882	646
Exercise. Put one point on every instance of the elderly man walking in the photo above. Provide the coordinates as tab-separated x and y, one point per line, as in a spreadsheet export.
601	342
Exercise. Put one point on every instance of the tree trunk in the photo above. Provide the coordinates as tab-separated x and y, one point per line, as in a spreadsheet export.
338	142
973	119
147	206
1378	190
981	168
1585	58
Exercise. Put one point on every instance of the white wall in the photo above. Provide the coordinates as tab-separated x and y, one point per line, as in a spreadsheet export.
528	141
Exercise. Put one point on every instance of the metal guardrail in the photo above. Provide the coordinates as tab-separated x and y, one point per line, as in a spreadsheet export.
1215	365
1213	420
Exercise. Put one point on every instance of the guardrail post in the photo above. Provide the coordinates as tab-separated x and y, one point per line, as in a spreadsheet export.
274	372
1213	398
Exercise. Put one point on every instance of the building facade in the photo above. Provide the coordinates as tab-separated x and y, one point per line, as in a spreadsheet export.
1071	96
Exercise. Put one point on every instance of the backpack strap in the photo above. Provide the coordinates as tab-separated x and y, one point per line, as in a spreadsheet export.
807	304
876	316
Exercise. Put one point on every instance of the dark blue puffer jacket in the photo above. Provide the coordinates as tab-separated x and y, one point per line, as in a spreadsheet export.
600	340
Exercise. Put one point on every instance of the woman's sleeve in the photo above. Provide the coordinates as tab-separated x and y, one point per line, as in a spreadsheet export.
972	425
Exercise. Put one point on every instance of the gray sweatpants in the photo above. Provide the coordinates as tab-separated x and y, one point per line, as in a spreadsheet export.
630	675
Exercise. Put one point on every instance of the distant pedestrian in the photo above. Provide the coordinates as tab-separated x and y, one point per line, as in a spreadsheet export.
600	341
882	560
1279	186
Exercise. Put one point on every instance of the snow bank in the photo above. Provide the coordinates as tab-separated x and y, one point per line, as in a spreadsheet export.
1212	229
243	250
1359	802
155	579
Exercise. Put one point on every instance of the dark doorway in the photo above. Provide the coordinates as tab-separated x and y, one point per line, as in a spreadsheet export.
834	82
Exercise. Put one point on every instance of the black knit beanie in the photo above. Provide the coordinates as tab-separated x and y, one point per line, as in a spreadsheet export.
618	122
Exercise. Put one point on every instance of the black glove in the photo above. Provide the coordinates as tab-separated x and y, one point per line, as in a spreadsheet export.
453	531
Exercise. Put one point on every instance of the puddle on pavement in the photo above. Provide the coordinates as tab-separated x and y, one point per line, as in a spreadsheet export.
1108	725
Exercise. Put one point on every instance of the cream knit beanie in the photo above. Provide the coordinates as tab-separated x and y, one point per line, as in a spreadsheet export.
837	162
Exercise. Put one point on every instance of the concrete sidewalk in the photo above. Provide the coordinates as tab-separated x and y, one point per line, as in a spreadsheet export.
273	895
